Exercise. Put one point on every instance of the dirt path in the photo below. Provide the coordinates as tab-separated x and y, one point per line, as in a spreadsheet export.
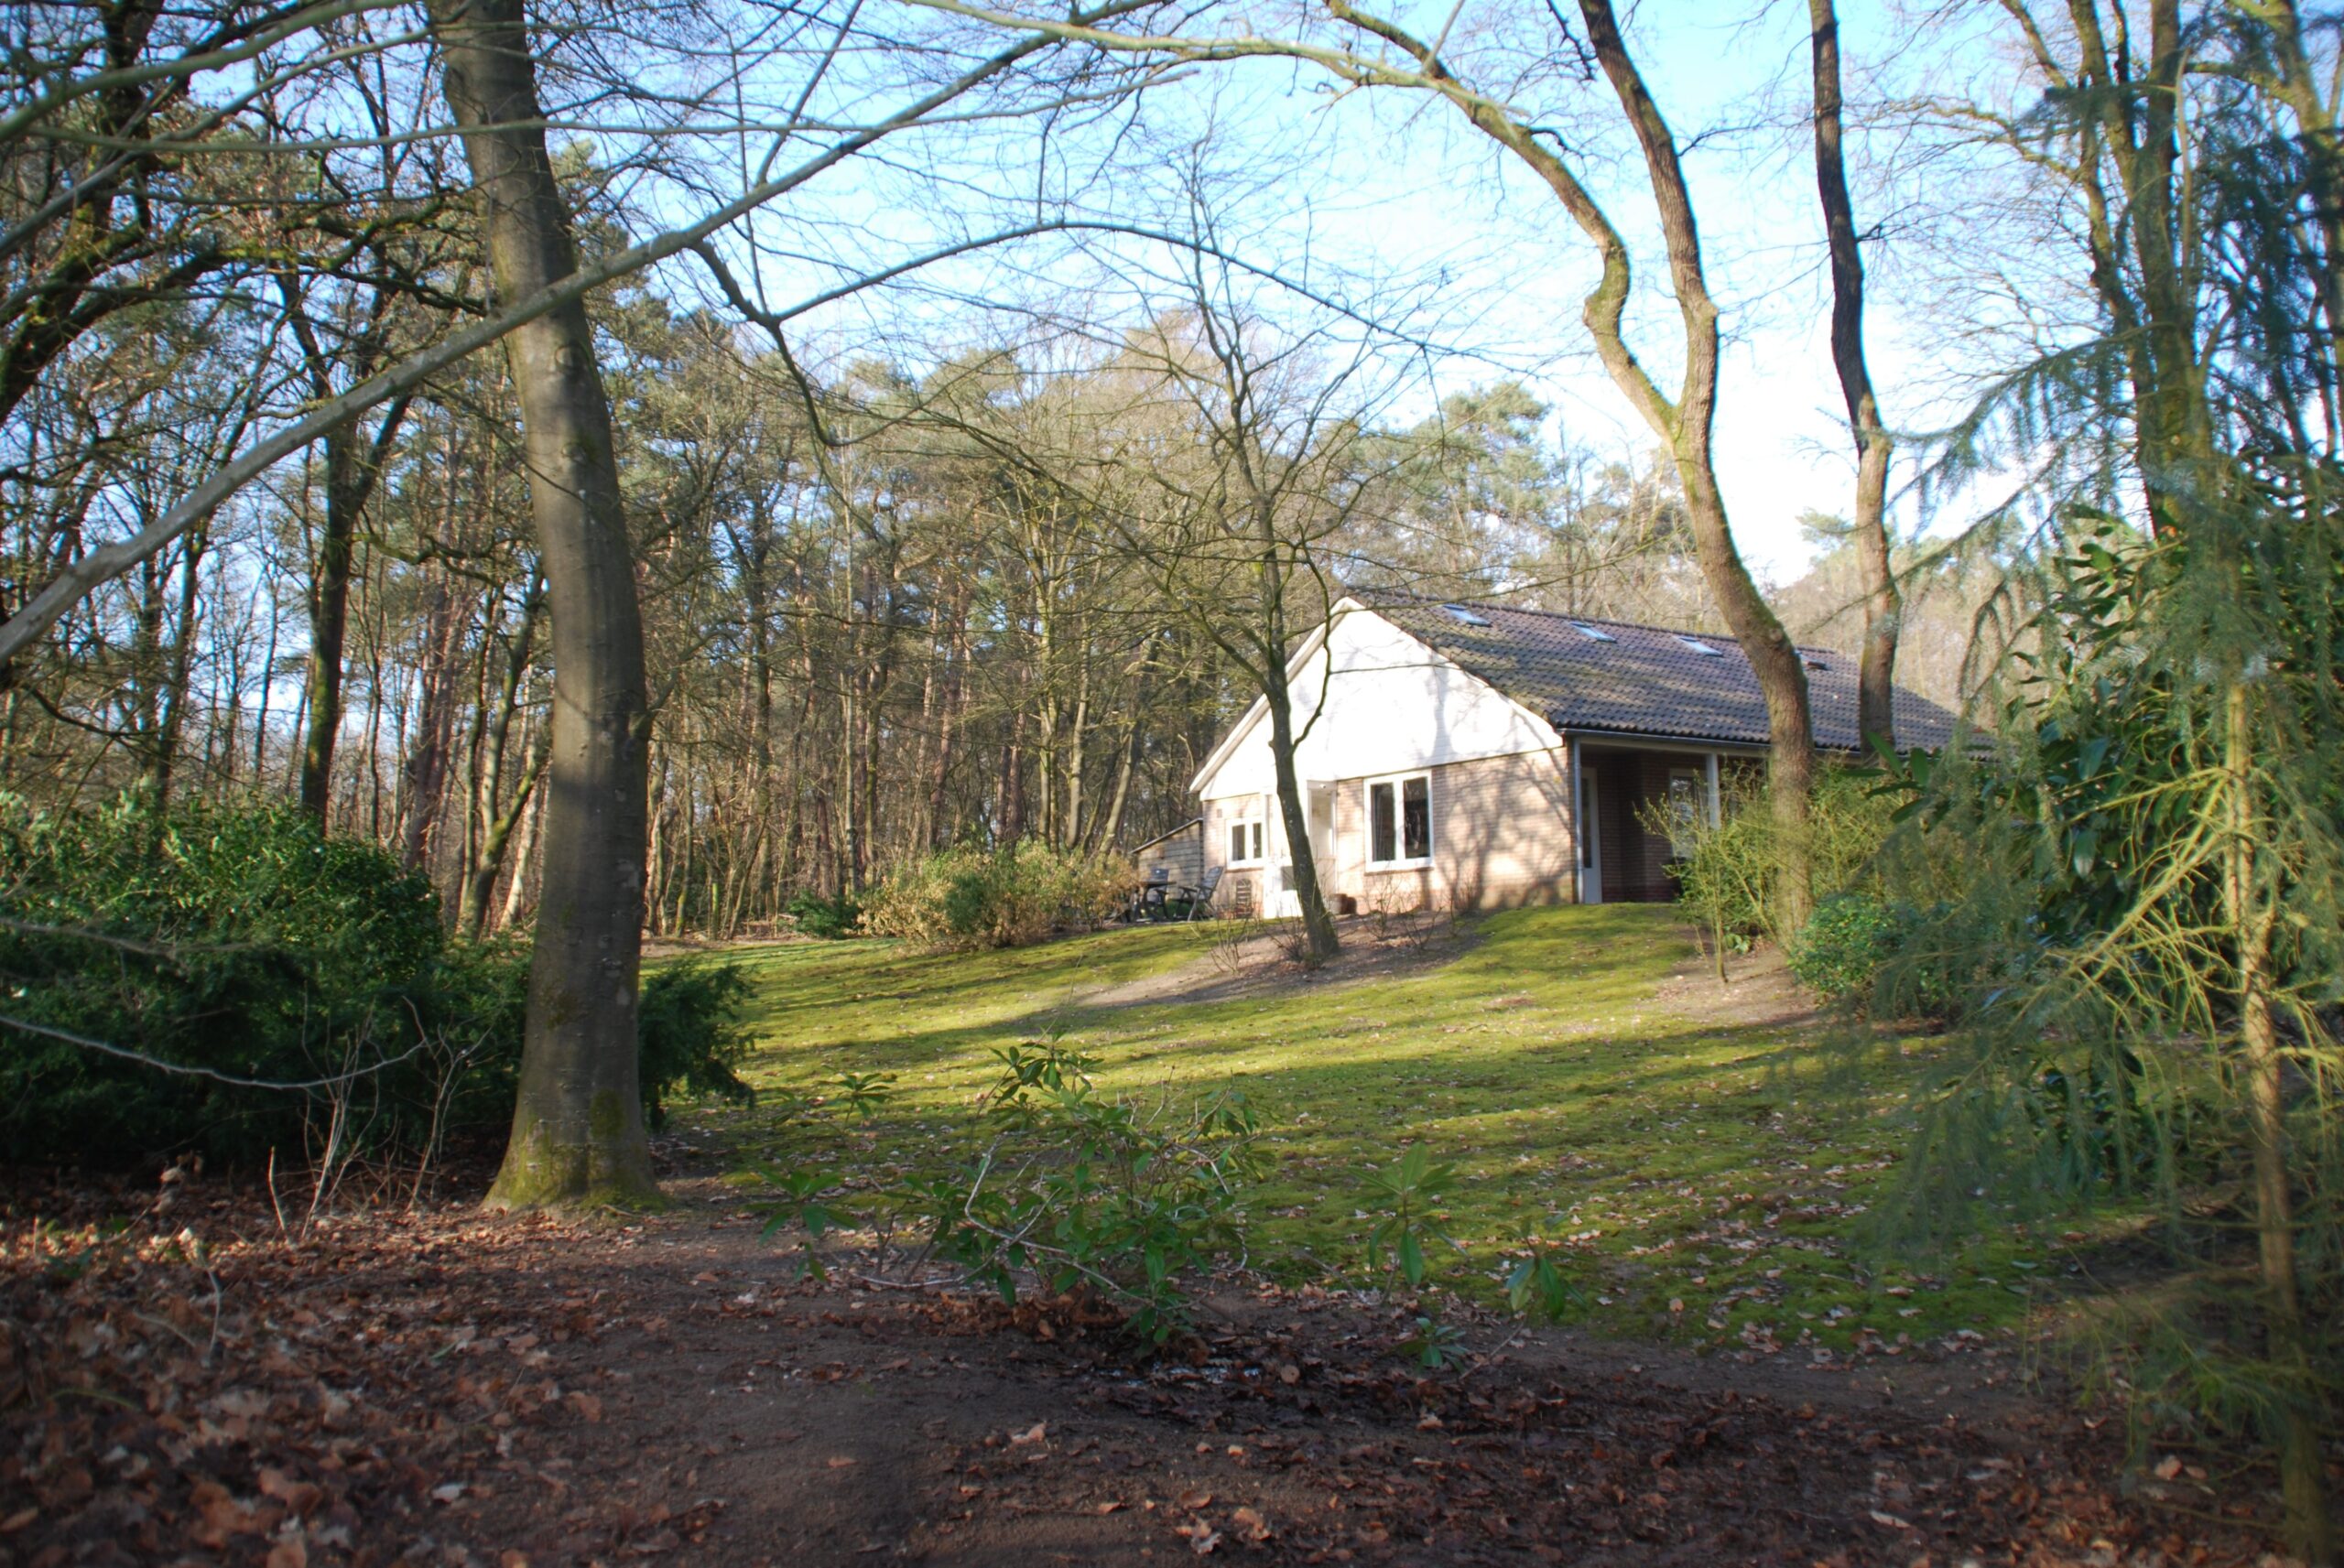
441	1389
1758	989
1254	959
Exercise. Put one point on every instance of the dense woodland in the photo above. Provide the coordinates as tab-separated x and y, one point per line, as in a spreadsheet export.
880	620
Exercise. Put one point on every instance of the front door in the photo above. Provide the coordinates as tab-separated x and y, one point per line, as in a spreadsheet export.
1590	838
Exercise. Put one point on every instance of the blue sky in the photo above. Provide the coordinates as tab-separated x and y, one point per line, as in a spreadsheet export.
1396	187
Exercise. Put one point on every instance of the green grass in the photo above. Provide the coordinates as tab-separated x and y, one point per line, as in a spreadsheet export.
1702	1180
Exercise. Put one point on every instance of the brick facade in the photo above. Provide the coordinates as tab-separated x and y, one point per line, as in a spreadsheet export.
1501	836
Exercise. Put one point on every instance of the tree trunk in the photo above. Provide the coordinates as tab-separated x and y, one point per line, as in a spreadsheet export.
267	671
497	824
578	1138
177	678
525	856
1317	926
2323	152
2248	900
1684	423
953	714
1321	940
427	764
1687	426
1883	607
352	469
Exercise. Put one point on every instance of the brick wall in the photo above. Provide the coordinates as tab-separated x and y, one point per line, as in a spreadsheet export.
1501	836
1501	830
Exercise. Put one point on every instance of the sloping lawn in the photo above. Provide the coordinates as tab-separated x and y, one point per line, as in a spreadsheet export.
1705	1182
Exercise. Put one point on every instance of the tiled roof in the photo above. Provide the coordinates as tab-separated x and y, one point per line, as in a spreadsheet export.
1643	680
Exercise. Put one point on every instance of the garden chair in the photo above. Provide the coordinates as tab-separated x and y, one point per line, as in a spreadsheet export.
1200	897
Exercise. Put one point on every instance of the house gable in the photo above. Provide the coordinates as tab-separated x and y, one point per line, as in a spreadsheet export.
1393	703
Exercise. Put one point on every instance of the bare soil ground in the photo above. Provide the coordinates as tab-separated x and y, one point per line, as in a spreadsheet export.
442	1387
1758	989
1257	959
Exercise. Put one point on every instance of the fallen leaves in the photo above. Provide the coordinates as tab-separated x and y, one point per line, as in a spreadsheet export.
385	1384
1202	1536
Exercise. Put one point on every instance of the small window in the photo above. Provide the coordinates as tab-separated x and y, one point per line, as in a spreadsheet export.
1399	820
1245	842
1686	810
1465	616
1700	647
1593	633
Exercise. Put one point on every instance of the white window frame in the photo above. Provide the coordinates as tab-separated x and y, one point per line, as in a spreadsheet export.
1254	816
1398	781
1689	815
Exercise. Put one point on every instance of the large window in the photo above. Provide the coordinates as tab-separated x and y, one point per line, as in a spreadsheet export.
1399	820
1245	840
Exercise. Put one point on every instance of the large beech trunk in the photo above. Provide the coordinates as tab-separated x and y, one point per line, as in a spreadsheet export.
578	1138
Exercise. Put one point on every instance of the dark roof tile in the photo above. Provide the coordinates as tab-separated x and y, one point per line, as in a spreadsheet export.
1643	680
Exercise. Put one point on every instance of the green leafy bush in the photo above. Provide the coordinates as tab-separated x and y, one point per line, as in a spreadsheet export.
1011	897
1407	1199
1843	944
1726	873
237	946
233	952
1121	1199
2144	946
688	1021
827	918
1120	1196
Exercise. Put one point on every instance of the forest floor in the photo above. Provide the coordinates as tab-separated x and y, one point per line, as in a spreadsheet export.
183	1378
438	1388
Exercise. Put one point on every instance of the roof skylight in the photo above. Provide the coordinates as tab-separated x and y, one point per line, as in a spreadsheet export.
1593	633
1466	617
1700	647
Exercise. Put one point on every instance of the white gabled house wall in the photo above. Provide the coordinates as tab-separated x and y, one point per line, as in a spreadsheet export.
1391	704
1499	777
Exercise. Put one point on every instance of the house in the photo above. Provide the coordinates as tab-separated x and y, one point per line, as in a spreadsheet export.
1475	755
